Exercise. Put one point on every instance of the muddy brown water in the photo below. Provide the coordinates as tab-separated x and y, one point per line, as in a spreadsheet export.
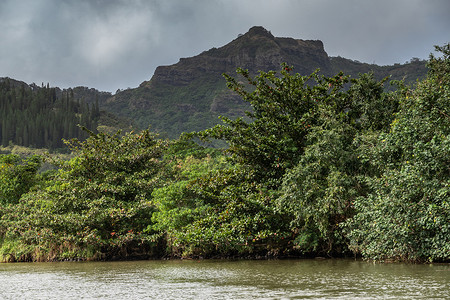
223	279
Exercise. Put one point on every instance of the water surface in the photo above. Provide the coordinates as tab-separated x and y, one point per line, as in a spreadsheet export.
221	279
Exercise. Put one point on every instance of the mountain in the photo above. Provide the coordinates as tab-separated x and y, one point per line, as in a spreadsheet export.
191	94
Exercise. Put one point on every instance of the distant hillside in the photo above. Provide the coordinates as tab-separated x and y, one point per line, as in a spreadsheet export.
33	116
190	95
409	72
41	116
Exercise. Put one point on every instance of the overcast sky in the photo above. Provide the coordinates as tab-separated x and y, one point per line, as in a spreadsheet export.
112	44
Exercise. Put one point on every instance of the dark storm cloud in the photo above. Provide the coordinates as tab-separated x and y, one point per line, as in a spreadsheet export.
110	44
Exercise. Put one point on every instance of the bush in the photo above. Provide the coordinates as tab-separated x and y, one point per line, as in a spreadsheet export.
17	176
97	204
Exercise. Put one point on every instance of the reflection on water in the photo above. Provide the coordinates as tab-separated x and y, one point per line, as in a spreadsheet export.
190	279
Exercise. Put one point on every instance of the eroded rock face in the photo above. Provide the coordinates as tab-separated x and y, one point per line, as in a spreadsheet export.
257	50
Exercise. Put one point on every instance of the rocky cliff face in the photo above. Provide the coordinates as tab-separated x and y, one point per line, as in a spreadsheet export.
257	50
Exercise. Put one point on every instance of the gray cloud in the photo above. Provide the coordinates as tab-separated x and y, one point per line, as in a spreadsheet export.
111	44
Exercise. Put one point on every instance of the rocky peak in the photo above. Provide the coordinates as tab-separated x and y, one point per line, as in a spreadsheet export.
259	30
256	50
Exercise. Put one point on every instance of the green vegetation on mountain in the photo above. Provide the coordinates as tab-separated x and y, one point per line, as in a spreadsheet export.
169	113
339	167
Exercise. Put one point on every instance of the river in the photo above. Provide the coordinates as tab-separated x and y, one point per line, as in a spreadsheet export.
223	279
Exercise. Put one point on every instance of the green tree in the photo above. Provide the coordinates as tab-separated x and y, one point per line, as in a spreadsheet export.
23	110
272	138
406	215
17	176
320	190
214	209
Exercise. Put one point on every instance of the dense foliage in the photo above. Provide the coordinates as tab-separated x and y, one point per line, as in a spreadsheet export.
326	166
17	176
407	213
97	204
